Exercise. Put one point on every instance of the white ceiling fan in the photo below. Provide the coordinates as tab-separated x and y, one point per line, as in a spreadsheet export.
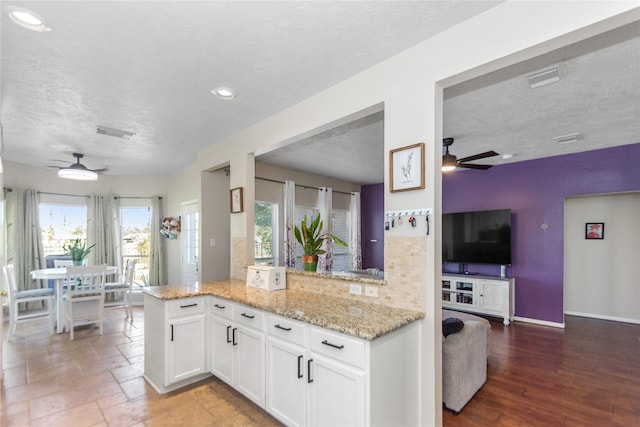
78	171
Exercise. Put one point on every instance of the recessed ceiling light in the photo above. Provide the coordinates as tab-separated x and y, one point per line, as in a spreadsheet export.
27	19
507	156
224	93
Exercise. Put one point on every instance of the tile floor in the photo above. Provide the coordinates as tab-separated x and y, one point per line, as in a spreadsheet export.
97	381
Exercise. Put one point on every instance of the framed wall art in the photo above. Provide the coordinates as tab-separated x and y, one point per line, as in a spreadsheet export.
594	230
236	200
406	168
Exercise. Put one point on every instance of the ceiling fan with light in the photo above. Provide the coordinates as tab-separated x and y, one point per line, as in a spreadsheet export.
451	162
79	171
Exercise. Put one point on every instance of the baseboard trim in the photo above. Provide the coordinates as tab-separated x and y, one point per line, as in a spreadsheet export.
539	322
602	317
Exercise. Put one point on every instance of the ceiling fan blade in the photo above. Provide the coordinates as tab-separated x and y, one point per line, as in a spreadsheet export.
472	166
479	156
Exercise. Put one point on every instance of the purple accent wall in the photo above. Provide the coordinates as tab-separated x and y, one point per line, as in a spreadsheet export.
535	191
372	225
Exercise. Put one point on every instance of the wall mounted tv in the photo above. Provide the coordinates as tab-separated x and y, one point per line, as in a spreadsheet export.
481	237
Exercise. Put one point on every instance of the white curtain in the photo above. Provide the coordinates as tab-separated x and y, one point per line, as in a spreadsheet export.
355	244
102	232
156	263
325	206
289	188
24	244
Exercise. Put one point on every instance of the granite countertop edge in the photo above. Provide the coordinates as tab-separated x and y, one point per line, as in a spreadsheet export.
348	316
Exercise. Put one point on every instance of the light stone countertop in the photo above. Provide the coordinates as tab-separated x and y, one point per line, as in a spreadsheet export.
351	317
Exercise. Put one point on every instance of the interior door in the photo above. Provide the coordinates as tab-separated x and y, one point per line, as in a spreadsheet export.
190	246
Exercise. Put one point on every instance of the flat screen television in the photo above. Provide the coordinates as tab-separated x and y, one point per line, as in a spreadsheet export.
481	237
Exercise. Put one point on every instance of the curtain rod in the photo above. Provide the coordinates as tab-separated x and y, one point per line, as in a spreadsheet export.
60	194
77	195
302	186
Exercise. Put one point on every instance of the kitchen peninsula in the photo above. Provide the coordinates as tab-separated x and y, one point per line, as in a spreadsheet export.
306	358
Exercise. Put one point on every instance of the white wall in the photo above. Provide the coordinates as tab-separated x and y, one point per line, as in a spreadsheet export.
601	277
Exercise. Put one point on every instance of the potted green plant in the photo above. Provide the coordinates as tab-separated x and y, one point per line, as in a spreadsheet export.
78	251
311	237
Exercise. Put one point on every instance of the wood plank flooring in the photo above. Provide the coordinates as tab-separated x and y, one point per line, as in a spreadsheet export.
585	375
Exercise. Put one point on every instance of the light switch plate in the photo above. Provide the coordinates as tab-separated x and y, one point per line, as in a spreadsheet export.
355	289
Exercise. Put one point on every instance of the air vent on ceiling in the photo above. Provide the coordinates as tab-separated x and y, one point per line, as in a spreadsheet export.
568	139
543	77
116	133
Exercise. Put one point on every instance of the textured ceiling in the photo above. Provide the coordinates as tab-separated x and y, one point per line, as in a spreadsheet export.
148	68
598	96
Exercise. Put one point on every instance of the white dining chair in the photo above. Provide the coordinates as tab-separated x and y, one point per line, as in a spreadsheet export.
45	295
123	287
85	296
60	263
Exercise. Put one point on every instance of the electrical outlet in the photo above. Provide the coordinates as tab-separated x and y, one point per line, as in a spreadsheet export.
355	289
370	291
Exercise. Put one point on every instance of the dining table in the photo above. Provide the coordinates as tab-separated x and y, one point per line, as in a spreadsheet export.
59	274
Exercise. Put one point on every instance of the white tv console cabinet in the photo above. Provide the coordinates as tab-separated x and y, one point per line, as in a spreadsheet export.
493	296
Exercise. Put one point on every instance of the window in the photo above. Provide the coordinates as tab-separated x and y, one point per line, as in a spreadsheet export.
135	226
61	223
340	229
266	231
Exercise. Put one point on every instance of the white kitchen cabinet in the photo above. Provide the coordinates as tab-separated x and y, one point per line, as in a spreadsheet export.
174	351
221	353
186	348
286	370
237	348
480	294
303	375
337	393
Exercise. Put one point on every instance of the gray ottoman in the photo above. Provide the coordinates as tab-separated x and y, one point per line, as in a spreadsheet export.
464	360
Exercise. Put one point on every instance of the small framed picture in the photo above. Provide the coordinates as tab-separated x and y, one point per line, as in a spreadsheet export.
406	168
594	230
236	200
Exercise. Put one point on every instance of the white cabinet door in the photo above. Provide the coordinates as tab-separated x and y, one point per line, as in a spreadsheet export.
337	394
492	297
185	352
222	351
250	361
286	382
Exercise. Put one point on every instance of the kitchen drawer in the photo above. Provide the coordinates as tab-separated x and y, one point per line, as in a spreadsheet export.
221	307
244	315
286	329
339	346
185	306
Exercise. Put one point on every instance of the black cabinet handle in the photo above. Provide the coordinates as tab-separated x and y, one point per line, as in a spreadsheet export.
189	305
228	339
309	379
171	332
221	307
234	336
339	347
282	327
248	316
300	367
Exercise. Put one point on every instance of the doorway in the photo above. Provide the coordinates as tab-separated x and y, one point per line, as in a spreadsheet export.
599	269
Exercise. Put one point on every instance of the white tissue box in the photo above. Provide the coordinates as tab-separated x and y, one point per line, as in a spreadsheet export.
267	278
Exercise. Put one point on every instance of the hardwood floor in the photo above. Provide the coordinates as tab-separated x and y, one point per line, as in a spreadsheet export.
585	375
97	381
